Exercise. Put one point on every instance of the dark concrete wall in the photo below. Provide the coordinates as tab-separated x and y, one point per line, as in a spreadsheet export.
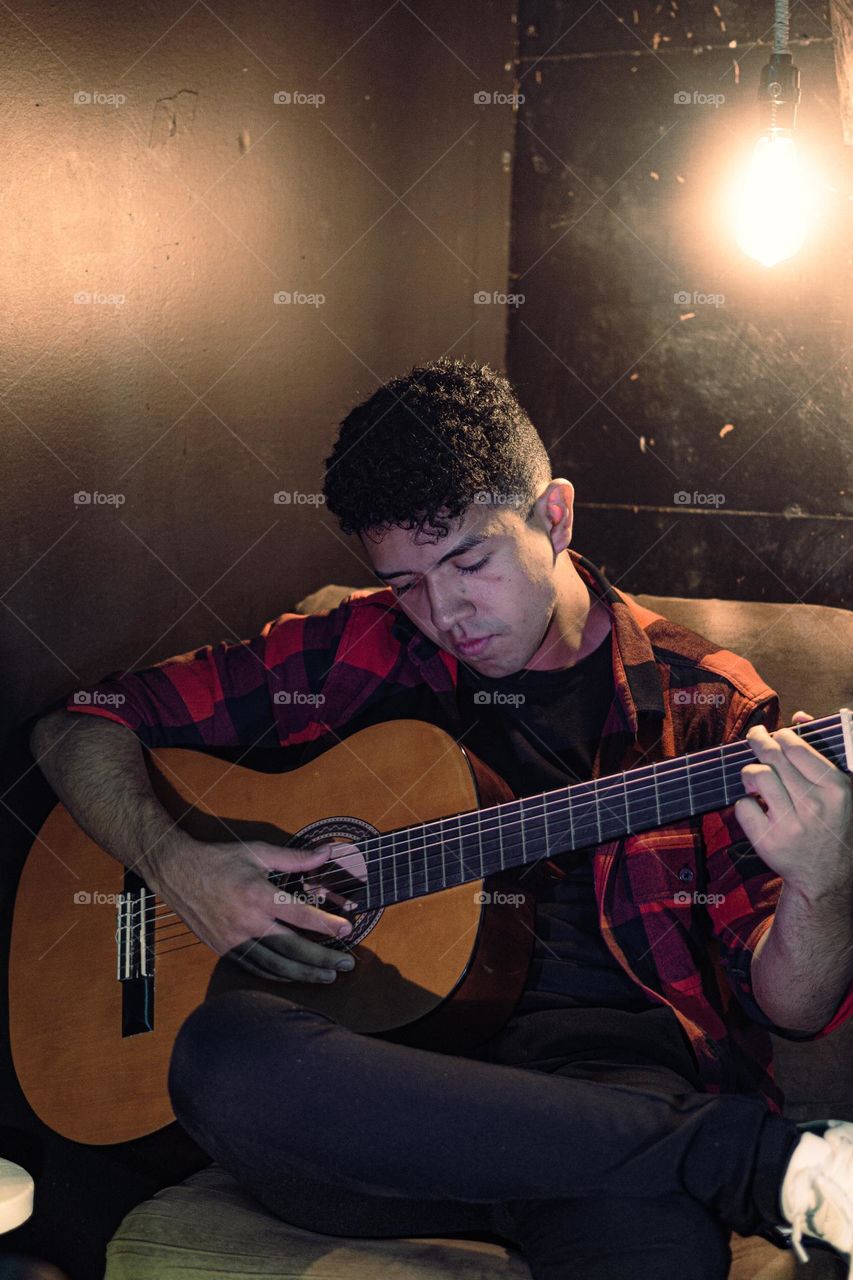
196	200
639	394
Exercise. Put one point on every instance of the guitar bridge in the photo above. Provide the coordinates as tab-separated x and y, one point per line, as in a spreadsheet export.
135	954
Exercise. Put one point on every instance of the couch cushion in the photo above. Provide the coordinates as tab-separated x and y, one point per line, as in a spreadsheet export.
208	1226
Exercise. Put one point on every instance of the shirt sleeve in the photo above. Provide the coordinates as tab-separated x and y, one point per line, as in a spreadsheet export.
246	693
742	896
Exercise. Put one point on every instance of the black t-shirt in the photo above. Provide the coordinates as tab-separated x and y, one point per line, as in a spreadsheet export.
539	731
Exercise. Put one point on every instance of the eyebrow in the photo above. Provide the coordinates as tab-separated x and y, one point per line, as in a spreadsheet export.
468	542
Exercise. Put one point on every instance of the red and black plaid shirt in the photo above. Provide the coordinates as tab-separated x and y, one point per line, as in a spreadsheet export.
306	676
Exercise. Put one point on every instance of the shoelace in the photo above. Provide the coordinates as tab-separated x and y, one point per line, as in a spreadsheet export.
829	1216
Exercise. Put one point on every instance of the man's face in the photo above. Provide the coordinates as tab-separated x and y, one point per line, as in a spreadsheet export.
502	588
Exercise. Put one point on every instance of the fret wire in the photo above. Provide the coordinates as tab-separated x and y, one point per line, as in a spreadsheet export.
689	788
394	865
597	810
547	837
725	783
625	793
523	836
480	836
443	872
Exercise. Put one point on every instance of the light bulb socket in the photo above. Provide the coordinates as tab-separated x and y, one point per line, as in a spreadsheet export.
779	92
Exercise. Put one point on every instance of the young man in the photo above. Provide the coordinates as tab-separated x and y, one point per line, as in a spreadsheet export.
652	1126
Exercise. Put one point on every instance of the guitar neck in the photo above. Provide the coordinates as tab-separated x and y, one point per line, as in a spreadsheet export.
411	862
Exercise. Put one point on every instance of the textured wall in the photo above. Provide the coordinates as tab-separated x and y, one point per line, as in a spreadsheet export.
180	198
655	358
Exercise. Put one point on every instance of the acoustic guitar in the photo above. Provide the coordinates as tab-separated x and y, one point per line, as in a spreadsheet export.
443	876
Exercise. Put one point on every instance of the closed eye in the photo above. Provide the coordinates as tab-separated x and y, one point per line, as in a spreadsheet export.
472	568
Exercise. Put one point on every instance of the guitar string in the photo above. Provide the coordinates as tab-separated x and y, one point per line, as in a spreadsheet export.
532	811
555	808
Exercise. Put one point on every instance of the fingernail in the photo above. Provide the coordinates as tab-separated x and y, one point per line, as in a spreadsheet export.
346	964
329	976
344	929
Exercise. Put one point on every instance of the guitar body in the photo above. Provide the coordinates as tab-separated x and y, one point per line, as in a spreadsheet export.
441	971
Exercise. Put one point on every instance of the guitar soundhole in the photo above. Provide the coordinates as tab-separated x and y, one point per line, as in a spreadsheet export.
344	877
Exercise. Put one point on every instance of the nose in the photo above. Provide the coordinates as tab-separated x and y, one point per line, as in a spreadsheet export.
448	607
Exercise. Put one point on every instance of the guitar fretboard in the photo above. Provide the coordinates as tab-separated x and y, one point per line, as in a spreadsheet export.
427	857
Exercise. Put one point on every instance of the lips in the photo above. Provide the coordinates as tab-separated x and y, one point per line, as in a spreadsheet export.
470	647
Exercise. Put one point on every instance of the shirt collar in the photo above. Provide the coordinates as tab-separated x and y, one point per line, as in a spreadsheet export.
635	675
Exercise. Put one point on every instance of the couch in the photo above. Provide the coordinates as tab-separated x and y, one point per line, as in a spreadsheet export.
208	1226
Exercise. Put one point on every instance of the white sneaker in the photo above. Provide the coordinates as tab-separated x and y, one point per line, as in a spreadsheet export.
817	1190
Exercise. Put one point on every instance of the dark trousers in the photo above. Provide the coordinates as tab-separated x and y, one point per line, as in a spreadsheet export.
586	1173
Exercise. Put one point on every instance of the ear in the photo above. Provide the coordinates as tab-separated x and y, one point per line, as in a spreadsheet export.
555	509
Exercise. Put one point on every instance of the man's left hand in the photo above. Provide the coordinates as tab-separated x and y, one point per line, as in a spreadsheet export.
804	828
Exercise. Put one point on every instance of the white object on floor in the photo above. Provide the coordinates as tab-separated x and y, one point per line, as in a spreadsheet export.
16	1195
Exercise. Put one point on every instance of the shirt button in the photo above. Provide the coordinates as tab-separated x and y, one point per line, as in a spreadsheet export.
686	873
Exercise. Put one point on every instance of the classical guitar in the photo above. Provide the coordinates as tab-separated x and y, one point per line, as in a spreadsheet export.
102	973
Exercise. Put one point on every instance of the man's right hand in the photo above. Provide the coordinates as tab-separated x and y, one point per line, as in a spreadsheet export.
222	892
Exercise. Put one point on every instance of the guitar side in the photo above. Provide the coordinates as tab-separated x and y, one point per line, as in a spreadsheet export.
441	970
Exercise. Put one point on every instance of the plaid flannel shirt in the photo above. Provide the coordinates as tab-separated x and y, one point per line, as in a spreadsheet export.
306	676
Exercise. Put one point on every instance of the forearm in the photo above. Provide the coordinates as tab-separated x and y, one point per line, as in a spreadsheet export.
803	964
97	770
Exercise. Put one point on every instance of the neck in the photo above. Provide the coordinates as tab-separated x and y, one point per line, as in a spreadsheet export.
578	624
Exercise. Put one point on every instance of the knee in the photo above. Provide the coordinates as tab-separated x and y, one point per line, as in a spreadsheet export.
215	1043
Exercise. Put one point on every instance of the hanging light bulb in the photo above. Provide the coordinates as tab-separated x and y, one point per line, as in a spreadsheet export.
773	204
773	211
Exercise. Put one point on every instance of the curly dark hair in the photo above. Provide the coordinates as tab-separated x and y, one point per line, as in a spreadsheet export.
443	436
